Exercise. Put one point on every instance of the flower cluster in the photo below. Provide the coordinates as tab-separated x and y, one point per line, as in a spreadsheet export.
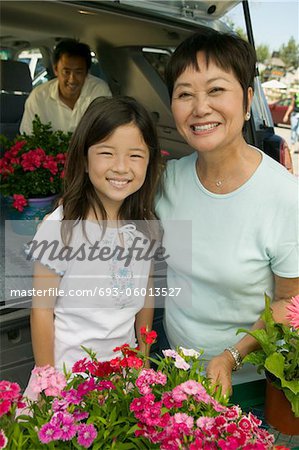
279	352
10	397
10	400
293	309
121	404
188	416
33	165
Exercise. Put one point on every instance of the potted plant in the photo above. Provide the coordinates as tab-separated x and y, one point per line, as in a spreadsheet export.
278	357
31	170
120	404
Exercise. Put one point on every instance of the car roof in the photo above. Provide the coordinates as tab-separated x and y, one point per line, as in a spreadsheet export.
184	10
158	23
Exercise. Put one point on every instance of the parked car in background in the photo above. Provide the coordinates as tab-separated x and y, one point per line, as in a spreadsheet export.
278	110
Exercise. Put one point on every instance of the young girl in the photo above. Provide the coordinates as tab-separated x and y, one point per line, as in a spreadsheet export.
93	295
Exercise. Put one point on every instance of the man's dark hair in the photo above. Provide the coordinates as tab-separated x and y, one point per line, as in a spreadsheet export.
72	47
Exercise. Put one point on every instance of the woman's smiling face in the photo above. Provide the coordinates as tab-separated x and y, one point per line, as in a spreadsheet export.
208	106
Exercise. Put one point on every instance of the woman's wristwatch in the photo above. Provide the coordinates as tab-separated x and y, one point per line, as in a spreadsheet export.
237	357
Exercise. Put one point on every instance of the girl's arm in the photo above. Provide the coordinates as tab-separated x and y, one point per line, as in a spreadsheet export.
145	316
220	367
42	314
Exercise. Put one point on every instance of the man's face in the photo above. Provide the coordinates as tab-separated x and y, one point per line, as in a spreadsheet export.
71	72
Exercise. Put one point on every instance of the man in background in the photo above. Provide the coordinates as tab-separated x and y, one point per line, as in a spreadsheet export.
63	100
293	109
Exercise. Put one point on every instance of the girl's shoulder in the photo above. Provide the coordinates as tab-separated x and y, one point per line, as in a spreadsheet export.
57	214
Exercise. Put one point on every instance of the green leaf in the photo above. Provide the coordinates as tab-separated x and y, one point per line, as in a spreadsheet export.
294	400
275	365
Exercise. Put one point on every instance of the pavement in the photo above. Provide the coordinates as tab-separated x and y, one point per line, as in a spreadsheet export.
285	132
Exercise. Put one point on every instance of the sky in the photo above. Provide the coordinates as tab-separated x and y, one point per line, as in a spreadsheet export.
274	22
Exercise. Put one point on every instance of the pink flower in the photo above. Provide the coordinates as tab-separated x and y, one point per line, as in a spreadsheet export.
48	433
80	366
190	352
141	403
59	405
5	406
147	378
65	422
86	386
169	401
245	424
86	435
3	440
47	379
72	397
170	353
80	415
229	443
192	387
105	384
19	202
233	412
205	422
184	418
180	363
9	391
293	308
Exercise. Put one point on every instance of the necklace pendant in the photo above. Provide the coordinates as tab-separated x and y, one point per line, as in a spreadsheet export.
218	183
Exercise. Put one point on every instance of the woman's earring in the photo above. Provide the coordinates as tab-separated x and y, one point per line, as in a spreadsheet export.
247	115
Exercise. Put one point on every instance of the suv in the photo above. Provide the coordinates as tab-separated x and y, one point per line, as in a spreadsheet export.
132	41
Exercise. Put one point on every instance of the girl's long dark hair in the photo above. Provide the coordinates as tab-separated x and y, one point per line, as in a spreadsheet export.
100	120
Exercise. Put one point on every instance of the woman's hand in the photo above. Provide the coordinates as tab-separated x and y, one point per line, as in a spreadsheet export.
219	370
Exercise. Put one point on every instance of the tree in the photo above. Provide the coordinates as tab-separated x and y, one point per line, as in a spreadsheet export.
262	52
289	53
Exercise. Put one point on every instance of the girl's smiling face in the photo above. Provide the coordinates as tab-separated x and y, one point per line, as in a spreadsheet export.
208	107
117	166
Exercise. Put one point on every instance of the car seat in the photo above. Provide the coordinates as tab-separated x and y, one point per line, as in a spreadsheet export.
15	84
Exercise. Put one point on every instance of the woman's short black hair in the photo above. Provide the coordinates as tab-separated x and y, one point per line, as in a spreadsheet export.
72	47
228	51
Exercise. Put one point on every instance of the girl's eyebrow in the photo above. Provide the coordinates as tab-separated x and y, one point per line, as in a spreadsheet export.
138	149
103	145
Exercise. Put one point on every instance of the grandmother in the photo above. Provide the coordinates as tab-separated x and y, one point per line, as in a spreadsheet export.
243	206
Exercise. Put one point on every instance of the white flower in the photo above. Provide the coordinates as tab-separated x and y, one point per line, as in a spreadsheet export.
190	352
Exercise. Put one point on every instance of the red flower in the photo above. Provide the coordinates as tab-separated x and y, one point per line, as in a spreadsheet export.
17	147
34	165
5	406
51	164
132	361
61	157
148	337
101	369
32	159
19	202
80	366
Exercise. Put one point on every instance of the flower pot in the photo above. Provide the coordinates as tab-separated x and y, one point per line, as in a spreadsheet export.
25	222
278	411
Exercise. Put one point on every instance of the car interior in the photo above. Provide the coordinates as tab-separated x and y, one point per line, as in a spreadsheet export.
131	43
